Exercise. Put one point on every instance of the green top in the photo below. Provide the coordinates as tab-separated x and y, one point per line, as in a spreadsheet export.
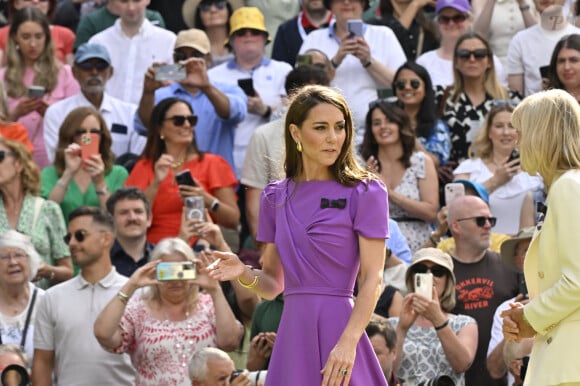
101	19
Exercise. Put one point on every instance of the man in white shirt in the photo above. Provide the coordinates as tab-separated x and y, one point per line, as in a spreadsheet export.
92	69
134	44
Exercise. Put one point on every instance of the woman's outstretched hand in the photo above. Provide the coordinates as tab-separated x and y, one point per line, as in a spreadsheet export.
229	266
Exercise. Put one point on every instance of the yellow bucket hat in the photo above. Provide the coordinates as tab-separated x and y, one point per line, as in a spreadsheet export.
248	17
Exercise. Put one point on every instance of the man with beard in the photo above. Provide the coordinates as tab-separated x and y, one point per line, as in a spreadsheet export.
131	211
92	69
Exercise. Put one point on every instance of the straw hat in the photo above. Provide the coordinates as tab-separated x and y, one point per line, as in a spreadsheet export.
189	6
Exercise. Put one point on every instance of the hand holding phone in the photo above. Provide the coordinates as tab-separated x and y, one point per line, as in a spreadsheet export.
36	92
171	271
247	85
355	27
424	284
515	155
90	143
184	178
453	190
170	72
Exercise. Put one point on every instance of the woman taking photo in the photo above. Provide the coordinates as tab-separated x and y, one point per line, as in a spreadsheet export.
31	62
23	210
326	207
213	17
163	325
565	65
431	341
82	176
410	176
19	263
495	164
171	149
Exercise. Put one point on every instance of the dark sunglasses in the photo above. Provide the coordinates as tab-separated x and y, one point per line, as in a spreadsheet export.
178	56
198	248
457	19
88	65
481	220
477	54
79	236
401	84
206	6
179	120
4	154
436	270
79	132
244	31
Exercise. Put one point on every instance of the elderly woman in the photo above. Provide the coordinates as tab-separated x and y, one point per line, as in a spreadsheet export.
163	325
21	209
171	148
19	263
76	180
430	340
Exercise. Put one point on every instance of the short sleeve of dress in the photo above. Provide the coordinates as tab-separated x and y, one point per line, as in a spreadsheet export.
133	312
141	175
457	322
55	229
418	164
267	219
371	210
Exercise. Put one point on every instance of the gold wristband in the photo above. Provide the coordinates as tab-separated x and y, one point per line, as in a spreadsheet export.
123	297
254	282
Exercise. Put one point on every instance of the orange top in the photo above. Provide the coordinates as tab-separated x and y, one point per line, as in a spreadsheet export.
16	132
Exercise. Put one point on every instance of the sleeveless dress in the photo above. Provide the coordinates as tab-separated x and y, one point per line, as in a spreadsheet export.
315	226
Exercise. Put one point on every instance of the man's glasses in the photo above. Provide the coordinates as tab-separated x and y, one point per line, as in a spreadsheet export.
477	54
206	5
179	56
79	132
90	65
4	154
481	220
79	235
244	31
179	120
457	19
18	256
401	84
436	270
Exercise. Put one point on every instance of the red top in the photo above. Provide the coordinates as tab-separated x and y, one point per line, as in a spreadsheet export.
63	40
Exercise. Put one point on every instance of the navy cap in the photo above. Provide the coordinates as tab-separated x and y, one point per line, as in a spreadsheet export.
479	189
88	51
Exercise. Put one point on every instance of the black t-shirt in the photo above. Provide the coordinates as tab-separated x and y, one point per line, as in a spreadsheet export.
480	288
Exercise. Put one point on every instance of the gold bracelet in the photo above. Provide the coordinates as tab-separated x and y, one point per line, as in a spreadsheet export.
252	285
123	297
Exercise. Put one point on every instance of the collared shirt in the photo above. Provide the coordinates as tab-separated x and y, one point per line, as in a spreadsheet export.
132	56
117	114
64	325
212	133
124	263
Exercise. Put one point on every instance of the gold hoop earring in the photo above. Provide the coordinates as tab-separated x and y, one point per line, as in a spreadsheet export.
299	147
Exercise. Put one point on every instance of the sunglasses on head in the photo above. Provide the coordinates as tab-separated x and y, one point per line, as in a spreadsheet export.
401	84
436	270
457	19
481	220
206	6
79	132
89	65
4	154
178	56
244	31
477	54
179	120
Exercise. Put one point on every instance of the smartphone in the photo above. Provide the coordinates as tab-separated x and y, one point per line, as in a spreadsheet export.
168	271
514	155
355	27
195	208
184	178
247	85
235	374
545	71
90	143
36	92
303	60
424	284
522	287
170	72
453	190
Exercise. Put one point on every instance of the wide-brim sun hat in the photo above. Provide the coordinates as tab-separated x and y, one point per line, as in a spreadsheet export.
508	247
248	18
434	255
189	6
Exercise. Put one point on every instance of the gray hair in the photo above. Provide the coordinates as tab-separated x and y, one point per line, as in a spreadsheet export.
199	359
14	239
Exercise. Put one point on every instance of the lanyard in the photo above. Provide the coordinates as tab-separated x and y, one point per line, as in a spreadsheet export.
27	322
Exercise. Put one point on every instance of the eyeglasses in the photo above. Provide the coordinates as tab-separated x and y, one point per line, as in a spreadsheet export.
481	220
18	256
457	19
477	54
79	235
244	31
178	56
401	84
89	65
179	120
436	270
79	132
206	6
4	154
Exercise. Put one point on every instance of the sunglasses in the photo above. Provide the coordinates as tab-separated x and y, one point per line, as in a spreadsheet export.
79	132
4	154
457	19
179	56
401	84
198	248
179	120
436	270
477	54
205	7
89	65
244	31
481	220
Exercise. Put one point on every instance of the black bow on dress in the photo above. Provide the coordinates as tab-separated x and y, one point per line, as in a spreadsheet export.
339	203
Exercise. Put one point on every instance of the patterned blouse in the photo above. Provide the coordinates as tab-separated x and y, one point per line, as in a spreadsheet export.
439	142
423	357
160	349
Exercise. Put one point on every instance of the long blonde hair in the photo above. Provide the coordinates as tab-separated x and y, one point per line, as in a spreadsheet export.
482	147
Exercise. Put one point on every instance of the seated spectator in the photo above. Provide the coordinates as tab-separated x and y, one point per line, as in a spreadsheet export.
211	366
31	62
409	175
92	69
63	38
383	337
213	17
78	179
265	322
397	258
430	340
22	209
175	309
19	264
390	302
171	148
494	164
564	72
13	131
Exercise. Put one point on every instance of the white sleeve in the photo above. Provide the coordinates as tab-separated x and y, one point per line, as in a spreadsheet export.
52	124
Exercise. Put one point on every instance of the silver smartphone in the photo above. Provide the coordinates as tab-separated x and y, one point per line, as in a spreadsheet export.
355	27
453	190
170	72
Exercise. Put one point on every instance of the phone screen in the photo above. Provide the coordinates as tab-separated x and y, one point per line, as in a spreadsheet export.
89	145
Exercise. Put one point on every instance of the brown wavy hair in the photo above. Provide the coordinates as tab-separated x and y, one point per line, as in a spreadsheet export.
30	174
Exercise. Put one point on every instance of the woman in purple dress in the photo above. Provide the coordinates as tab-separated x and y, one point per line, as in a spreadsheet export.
324	227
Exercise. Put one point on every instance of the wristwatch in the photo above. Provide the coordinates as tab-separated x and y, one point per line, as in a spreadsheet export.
215	204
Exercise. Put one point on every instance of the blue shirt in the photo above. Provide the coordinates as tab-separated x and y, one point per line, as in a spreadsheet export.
212	133
397	243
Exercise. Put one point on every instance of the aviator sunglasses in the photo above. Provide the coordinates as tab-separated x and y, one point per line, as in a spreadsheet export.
179	120
481	220
436	270
477	54
401	84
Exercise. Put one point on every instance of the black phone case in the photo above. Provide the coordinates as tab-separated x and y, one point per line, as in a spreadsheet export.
248	86
185	178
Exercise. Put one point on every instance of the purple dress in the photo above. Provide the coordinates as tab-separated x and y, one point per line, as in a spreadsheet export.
315	226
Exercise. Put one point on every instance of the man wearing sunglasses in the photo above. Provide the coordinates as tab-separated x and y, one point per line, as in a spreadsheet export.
92	69
64	344
483	280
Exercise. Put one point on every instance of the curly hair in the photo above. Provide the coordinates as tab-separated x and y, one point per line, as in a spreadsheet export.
30	174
